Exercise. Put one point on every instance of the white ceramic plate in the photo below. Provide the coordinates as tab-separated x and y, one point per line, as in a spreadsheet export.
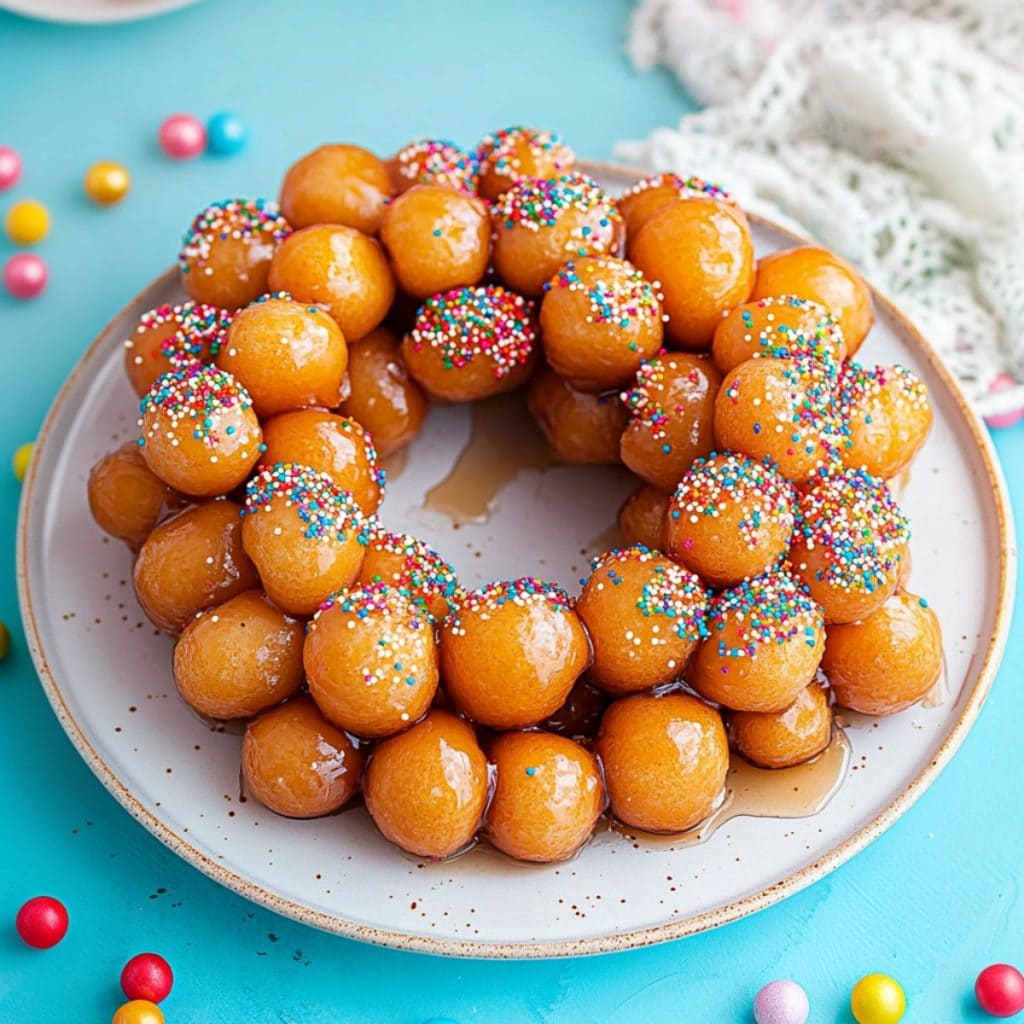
92	11
108	677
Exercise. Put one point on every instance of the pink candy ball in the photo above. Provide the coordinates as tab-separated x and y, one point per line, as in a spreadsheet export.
182	137
781	1002
10	167
25	275
1003	382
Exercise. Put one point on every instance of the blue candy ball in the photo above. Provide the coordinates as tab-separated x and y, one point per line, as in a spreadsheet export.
225	134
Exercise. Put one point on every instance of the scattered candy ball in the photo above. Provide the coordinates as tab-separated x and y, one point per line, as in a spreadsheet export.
781	1002
147	976
5	641
27	222
107	182
182	137
10	167
1000	990
138	1011
42	922
25	275
22	457
878	999
1001	420
225	134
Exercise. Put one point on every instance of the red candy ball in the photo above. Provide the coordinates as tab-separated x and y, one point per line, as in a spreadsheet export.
25	275
182	137
147	976
42	922
1000	990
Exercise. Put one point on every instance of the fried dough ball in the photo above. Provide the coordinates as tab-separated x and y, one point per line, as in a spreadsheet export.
539	224
730	518
190	562
642	517
173	337
336	184
226	252
646	197
239	658
765	644
298	764
849	544
781	410
382	395
665	760
126	498
888	660
548	795
779	327
782	739
644	615
821	276
580	716
426	788
885	417
472	343
199	433
304	534
511	651
339	268
437	238
701	253
600	318
671	417
331	444
371	660
518	153
434	162
580	427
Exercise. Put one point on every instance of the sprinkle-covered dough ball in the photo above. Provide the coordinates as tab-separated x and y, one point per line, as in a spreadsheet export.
646	197
781	739
434	162
513	154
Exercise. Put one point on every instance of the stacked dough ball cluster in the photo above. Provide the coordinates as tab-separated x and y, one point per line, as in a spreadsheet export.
766	562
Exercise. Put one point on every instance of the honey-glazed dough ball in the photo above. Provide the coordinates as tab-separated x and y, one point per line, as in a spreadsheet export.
515	153
665	760
298	764
126	498
885	417
646	197
701	253
336	184
765	644
382	395
437	238
580	716
539	224
671	409
335	445
339	268
730	518
426	789
778	327
821	276
580	427
434	162
172	337
782	410
600	318
371	660
642	517
644	615
199	432
782	739
304	534
849	543
239	658
190	562
548	795
472	343
511	651
888	660
226	252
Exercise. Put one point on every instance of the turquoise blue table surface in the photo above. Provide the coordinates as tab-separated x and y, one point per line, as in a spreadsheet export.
931	902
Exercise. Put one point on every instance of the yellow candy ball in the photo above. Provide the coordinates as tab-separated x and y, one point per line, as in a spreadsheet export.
22	457
107	182
27	222
138	1011
878	999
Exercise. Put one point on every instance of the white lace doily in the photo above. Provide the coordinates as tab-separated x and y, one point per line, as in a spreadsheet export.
891	131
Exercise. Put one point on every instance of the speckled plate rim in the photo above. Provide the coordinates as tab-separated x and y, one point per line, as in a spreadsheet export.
619	941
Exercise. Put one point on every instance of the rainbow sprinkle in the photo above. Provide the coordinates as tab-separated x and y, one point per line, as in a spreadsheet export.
424	575
688	188
483	322
618	295
438	162
200	333
822	342
649	400
230	218
534	205
501	152
363	438
860	387
489	598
